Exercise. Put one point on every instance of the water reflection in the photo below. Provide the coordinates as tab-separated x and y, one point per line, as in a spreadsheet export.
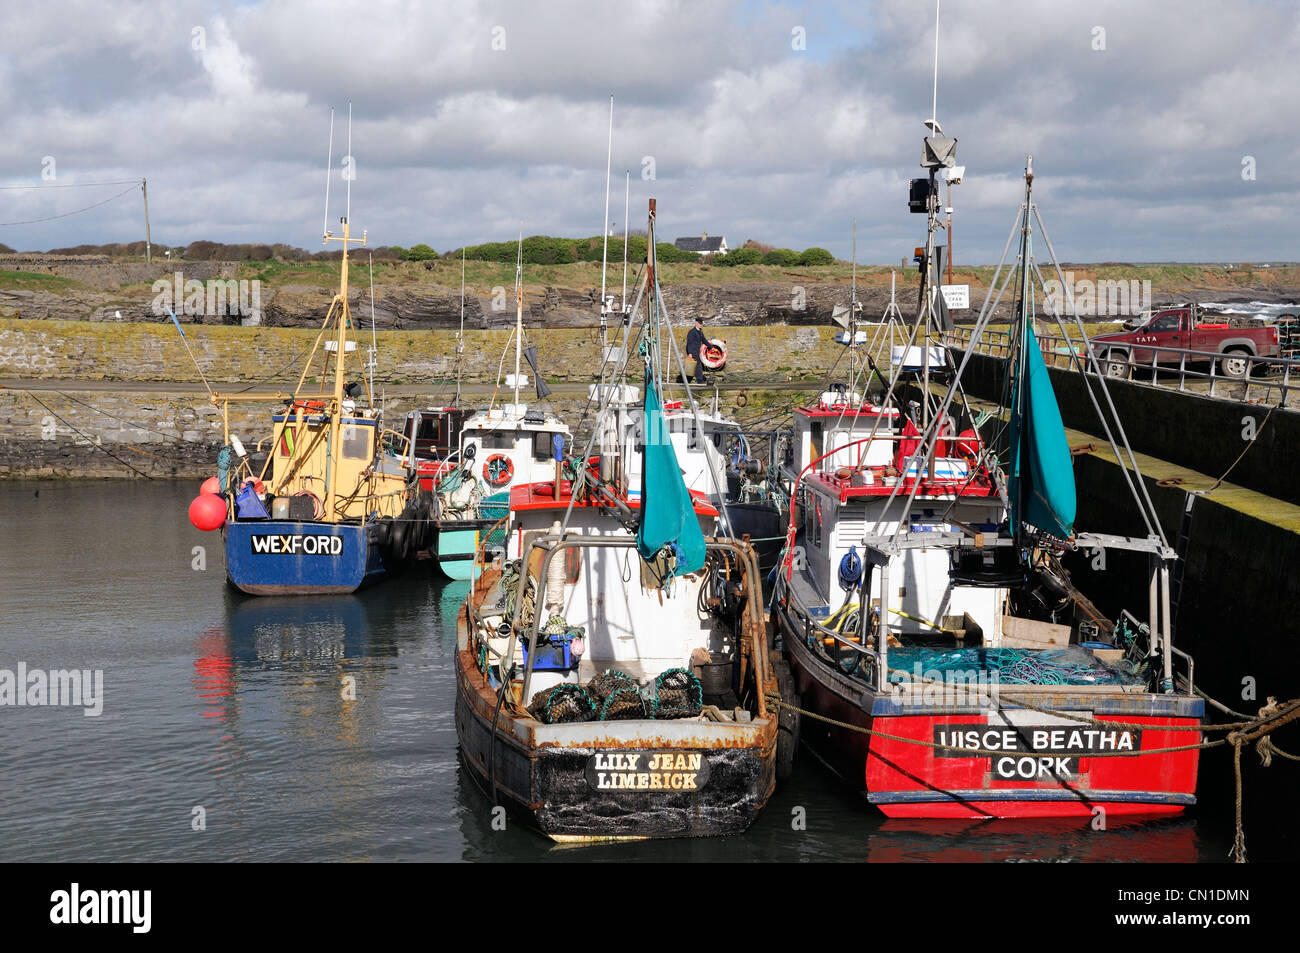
238	706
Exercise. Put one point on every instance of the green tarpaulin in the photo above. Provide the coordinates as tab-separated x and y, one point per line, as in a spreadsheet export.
1042	470
667	513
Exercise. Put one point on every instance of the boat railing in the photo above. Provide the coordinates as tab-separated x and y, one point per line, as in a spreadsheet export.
1271	379
1142	628
814	629
388	439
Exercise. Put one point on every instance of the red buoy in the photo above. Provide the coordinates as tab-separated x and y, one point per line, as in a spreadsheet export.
208	512
211	485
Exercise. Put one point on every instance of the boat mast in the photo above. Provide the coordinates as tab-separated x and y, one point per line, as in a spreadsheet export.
1022	337
460	335
344	319
925	309
853	323
604	228
341	345
519	307
627	210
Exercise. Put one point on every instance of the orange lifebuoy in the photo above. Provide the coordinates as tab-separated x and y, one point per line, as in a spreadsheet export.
713	355
498	469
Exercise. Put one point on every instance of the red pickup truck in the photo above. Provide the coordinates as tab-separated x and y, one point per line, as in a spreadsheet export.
1181	330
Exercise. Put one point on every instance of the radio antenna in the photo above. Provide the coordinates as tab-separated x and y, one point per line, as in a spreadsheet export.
934	102
351	165
329	162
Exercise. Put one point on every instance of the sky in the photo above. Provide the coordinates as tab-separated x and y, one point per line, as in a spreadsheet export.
1160	131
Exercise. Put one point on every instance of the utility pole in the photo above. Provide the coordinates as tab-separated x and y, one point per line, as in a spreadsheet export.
148	247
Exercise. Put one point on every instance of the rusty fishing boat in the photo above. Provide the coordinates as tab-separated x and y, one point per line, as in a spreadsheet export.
612	665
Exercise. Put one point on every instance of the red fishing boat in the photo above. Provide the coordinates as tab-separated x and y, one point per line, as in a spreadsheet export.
953	668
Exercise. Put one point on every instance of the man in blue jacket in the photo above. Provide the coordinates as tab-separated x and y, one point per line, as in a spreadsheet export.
695	341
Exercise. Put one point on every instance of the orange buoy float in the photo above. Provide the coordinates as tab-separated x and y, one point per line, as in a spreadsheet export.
211	485
498	469
208	512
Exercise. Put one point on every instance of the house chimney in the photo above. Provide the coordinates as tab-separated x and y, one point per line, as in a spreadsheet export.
704	237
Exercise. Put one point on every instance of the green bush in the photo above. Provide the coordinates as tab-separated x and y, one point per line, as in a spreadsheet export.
738	256
420	252
816	256
781	256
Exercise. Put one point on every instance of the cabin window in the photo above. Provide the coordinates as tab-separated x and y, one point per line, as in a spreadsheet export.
692	435
431	430
356	442
542	445
1166	322
815	436
288	441
430	435
501	440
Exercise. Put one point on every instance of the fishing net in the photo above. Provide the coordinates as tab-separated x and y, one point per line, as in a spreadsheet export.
510	586
556	625
1068	666
678	694
561	704
495	507
617	696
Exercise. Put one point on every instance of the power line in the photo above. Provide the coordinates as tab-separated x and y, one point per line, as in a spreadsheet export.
34	221
67	185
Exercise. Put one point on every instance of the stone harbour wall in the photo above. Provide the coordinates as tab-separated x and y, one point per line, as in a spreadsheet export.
136	352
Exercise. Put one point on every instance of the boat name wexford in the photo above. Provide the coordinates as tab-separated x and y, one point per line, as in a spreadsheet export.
297	544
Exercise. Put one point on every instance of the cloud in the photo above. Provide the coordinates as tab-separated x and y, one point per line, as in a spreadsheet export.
469	117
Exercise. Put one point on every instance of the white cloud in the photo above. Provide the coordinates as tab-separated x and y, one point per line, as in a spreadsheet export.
456	141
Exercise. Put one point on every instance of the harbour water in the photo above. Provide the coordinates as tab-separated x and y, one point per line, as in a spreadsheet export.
321	729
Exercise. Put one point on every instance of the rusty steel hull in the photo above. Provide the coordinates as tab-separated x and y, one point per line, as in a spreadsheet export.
541	772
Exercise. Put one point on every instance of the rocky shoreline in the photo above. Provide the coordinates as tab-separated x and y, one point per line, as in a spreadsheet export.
412	296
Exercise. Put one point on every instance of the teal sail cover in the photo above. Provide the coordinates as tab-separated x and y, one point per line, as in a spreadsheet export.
667	513
1042	470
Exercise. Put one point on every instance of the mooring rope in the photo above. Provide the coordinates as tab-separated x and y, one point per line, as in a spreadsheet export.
1271	717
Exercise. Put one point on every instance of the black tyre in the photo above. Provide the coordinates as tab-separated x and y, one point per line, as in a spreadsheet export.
1235	363
1116	365
787	722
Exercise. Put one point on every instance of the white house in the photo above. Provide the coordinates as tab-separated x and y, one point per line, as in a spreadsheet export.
704	245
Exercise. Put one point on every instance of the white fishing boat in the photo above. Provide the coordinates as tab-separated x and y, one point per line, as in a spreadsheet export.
612	672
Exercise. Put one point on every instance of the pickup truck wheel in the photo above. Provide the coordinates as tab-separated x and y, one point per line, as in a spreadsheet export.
1116	365
1235	363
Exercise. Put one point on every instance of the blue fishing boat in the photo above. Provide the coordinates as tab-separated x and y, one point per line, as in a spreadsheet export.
321	505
